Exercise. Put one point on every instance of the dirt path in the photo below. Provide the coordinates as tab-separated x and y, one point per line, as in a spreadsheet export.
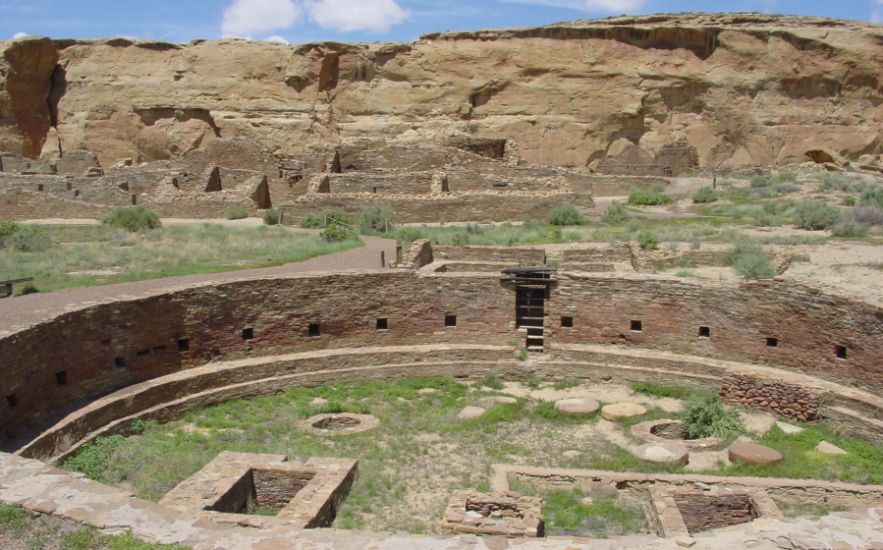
27	310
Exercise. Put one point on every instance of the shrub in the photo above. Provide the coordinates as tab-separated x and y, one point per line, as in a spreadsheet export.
272	217
313	220
7	228
849	200
751	261
705	195
237	213
759	182
836	182
649	197
786	188
376	217
29	238
707	416
849	229
132	219
616	213
815	215
28	289
92	459
785	176
867	214
766	219
565	214
872	196
336	232
648	240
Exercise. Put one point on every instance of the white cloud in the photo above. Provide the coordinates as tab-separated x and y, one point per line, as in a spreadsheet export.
356	15
613	6
18	35
877	12
276	38
607	6
243	17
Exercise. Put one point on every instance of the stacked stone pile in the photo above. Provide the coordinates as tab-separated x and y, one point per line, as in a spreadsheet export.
789	400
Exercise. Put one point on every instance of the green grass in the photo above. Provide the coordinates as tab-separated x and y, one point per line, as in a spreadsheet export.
157	253
600	516
863	464
411	462
36	532
661	390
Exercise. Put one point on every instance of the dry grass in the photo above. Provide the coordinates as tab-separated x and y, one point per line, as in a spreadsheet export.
83	256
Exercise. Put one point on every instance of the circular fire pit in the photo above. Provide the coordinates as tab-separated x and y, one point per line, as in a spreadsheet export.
670	430
340	423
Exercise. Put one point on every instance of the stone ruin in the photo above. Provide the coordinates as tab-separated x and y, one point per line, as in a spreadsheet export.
300	496
502	514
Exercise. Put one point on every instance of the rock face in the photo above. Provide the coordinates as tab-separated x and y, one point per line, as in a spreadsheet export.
744	89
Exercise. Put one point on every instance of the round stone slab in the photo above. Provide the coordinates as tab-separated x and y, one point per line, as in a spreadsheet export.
618	411
752	453
577	406
470	412
663	453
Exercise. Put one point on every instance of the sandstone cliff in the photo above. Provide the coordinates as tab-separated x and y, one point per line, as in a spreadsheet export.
746	89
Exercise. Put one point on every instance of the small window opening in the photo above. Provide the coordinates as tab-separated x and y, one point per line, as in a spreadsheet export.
772	342
705	332
840	351
382	324
119	362
567	322
248	334
637	326
315	331
450	320
61	378
12	401
183	344
143	352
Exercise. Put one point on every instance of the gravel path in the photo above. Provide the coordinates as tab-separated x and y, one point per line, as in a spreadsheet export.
23	311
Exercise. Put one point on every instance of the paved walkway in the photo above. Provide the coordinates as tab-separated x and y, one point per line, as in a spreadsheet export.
24	311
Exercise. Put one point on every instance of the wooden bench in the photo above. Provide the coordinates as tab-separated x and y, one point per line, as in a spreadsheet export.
9	286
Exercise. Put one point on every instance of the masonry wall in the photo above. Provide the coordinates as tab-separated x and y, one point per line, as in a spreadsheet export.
807	324
58	366
104	348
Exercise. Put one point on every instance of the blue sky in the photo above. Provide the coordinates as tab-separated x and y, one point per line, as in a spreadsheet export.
299	21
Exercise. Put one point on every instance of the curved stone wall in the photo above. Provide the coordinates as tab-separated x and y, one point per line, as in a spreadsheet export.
59	366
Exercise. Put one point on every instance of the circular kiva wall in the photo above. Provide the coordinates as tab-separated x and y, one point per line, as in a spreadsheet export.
351	326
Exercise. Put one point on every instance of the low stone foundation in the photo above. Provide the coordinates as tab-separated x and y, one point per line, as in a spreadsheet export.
789	400
503	514
305	495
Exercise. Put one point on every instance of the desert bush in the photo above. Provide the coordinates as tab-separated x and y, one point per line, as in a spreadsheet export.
28	289
565	214
849	229
785	176
616	213
652	196
272	217
786	188
706	416
313	220
92	459
849	200
751	261
837	182
867	214
872	196
7	228
815	215
336	232
648	240
377	218
132	219
28	238
705	195
237	213
759	182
